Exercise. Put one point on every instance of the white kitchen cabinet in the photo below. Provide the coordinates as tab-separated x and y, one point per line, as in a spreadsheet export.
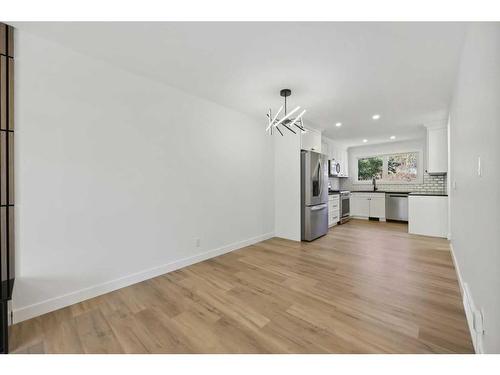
333	209
377	206
310	140
360	205
366	205
344	163
437	150
332	151
325	148
428	215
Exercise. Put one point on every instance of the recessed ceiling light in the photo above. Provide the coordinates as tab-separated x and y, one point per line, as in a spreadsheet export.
338	124
393	137
365	140
376	116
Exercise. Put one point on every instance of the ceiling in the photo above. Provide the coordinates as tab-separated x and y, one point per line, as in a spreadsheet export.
339	72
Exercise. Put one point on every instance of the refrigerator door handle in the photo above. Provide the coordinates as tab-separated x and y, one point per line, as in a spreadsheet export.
318	207
320	178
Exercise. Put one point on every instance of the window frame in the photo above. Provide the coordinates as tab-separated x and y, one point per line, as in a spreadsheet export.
385	156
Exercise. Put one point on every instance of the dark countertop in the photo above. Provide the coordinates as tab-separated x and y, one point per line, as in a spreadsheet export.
333	192
429	194
419	193
380	191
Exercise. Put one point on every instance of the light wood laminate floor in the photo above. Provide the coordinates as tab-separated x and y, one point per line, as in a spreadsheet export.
366	287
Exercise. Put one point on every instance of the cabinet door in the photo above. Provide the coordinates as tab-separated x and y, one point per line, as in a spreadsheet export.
342	163
377	207
428	216
305	141
360	206
346	163
333	153
324	148
311	140
316	141
437	150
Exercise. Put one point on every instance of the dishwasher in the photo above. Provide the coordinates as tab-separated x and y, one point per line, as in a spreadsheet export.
396	206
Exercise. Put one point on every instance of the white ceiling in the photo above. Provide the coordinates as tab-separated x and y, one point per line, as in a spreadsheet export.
339	72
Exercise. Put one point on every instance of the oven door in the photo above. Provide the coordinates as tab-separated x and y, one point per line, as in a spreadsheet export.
345	207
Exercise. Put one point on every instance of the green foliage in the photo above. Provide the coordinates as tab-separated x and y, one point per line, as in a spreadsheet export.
369	168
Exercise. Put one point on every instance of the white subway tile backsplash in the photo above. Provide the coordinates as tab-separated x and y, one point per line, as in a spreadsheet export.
431	183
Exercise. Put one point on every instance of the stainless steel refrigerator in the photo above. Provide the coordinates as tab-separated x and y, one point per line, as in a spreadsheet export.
314	195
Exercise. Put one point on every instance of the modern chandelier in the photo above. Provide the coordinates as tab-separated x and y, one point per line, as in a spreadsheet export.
287	121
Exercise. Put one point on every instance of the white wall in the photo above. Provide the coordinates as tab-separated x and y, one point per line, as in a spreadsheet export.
118	175
287	186
475	203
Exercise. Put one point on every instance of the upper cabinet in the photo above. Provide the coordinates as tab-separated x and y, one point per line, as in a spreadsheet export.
310	140
325	149
337	153
437	150
344	163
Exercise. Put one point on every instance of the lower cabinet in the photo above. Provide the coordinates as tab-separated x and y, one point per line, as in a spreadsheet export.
360	205
333	210
366	205
377	206
428	215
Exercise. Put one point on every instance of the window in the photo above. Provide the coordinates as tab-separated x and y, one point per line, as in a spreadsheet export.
369	168
393	168
402	167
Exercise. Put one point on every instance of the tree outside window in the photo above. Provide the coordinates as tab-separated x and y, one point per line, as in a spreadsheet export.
368	168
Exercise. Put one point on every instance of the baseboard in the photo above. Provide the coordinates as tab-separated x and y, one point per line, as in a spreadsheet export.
457	270
469	305
65	300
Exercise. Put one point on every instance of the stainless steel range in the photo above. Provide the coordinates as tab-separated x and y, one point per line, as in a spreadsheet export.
344	209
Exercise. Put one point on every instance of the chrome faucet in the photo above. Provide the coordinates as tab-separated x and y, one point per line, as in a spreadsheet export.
374	182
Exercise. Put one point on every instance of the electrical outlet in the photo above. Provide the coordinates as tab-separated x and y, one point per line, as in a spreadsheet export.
198	242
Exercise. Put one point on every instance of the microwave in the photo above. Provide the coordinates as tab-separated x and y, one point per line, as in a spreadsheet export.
334	168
